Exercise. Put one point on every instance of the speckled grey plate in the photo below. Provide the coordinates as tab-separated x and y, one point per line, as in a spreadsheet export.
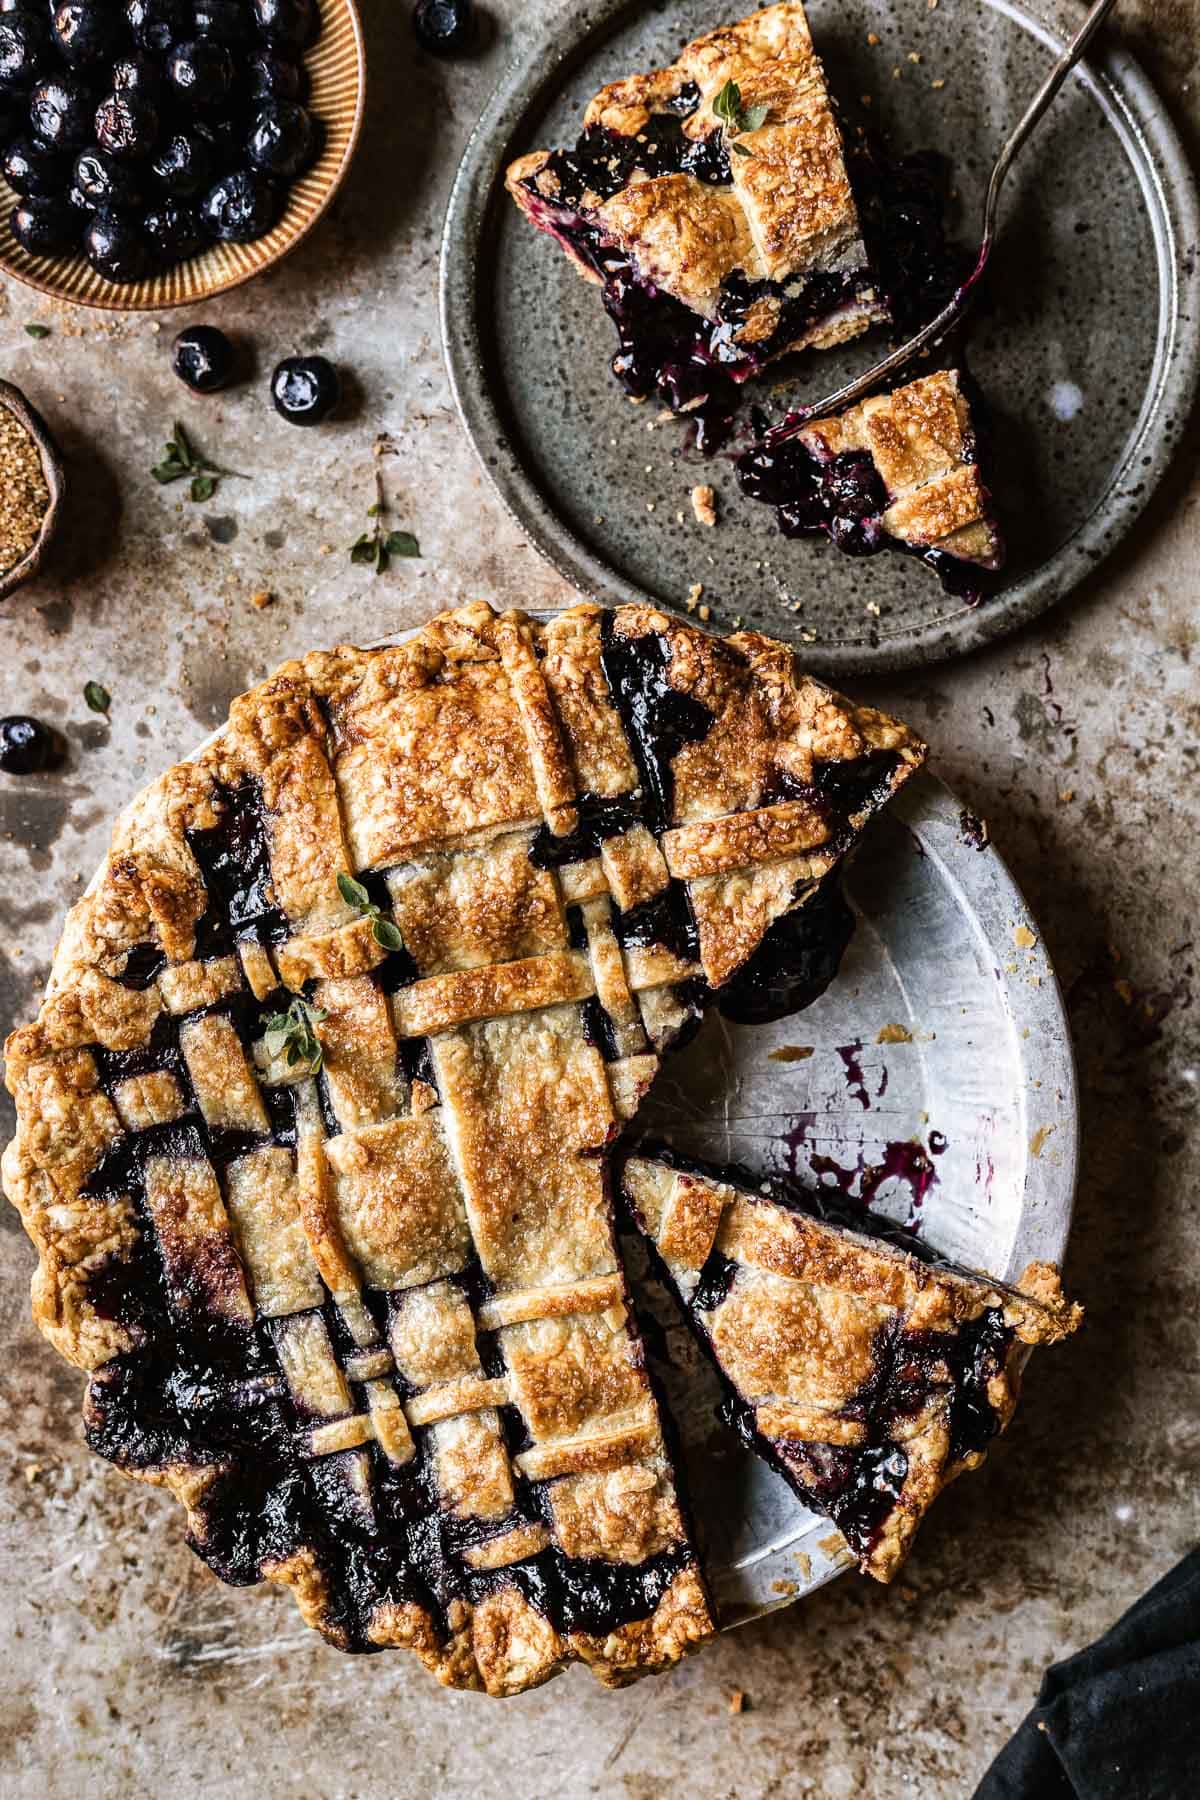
1086	343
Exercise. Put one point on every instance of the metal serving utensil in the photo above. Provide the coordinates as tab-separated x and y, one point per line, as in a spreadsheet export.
937	329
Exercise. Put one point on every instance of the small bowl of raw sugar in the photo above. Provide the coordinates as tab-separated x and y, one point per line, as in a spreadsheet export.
31	488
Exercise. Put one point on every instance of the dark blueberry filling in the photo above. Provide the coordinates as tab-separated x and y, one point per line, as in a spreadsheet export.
797	959
599	818
234	859
598	1028
843	497
658	720
664	919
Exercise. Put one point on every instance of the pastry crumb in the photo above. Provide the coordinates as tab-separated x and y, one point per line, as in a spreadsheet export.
1065	796
704	505
693	595
787	1053
872	38
1037	1142
914	56
873	608
737	1701
1023	938
704	612
262	597
938	84
894	1034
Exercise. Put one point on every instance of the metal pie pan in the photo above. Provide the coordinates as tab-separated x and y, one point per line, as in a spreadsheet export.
1086	344
942	1047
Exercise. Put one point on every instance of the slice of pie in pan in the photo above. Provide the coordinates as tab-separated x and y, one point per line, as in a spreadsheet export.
899	471
312	1123
711	202
867	1374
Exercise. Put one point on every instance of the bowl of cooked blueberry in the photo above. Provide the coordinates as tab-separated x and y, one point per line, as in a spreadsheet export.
157	152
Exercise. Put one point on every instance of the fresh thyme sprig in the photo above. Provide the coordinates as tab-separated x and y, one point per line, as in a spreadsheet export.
735	117
181	458
355	894
292	1033
379	545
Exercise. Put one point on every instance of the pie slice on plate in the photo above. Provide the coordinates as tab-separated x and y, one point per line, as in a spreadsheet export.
313	1119
710	201
900	470
868	1374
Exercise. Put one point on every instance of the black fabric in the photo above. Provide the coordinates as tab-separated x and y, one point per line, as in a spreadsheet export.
1121	1720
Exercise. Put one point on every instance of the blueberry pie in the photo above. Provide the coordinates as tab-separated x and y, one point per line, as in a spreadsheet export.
867	1374
898	470
710	201
313	1120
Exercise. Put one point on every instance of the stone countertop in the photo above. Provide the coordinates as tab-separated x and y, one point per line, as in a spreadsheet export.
127	1667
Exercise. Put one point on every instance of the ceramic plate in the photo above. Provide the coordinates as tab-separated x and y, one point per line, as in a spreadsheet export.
1086	342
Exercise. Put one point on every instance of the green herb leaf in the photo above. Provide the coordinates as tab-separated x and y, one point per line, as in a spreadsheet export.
363	550
741	149
401	543
728	105
291	1035
753	117
354	893
388	935
37	331
373	512
170	469
203	488
182	448
97	697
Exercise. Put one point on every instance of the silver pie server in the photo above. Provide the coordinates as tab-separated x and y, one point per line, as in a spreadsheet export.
937	328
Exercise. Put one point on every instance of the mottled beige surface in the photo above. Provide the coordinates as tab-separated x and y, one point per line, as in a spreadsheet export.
127	1669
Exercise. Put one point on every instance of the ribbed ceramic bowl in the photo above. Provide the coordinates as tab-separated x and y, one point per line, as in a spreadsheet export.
337	71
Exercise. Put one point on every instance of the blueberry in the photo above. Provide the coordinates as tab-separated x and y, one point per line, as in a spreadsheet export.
201	72
27	746
29	168
277	77
280	137
173	231
157	24
138	75
104	181
444	26
305	389
203	358
85	31
229	21
45	227
24	49
114	245
292	22
240	207
185	164
857	536
62	111
126	125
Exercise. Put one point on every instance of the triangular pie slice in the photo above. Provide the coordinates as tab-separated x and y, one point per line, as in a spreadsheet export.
312	1122
867	1373
711	202
899	470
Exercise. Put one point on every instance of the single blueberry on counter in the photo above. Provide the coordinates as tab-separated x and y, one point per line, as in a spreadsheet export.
27	746
305	389
203	358
445	27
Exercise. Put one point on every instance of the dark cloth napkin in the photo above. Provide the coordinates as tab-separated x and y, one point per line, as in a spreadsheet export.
1121	1720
